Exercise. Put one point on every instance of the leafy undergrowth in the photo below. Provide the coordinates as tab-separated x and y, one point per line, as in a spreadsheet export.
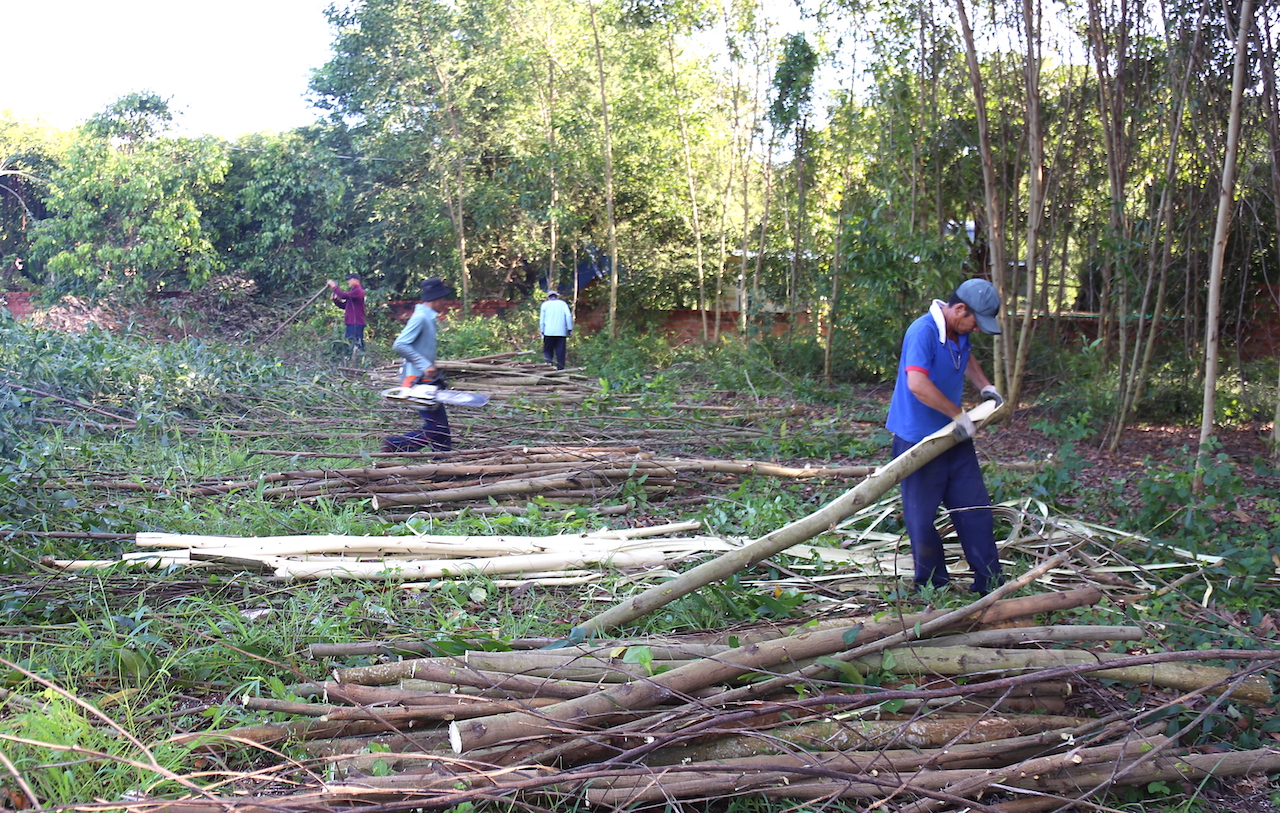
96	659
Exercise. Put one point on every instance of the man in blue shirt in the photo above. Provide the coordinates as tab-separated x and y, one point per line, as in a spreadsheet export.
416	344
556	321
936	360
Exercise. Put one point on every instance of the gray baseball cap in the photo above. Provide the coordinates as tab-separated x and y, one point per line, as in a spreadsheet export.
982	299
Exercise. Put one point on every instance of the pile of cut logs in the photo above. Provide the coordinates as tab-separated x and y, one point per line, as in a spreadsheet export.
505	376
513	560
921	712
476	478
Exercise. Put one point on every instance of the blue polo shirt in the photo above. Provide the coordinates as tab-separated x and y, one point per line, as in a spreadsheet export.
926	348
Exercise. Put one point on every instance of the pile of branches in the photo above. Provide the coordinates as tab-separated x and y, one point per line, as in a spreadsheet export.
506	376
926	712
523	386
512	561
439	484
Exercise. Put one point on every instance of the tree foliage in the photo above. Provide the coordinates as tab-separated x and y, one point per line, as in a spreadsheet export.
285	213
464	138
127	216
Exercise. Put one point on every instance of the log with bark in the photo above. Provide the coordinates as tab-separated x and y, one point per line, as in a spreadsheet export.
801	530
674	732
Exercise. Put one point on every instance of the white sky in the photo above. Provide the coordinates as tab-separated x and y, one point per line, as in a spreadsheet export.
228	67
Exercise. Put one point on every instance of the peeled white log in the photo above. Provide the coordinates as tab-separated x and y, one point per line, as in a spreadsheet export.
571	545
423	545
448	568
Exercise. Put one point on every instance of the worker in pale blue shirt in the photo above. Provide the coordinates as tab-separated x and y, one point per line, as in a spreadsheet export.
556	322
416	344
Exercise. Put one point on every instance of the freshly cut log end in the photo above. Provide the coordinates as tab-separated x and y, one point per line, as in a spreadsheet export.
455	737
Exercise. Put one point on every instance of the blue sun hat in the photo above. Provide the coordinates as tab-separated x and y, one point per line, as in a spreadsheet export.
981	298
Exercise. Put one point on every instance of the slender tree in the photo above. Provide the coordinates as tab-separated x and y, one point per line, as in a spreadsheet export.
607	146
994	207
1271	97
789	113
1222	229
1031	28
694	219
1133	378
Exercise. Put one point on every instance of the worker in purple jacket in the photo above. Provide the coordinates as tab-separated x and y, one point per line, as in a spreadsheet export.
352	303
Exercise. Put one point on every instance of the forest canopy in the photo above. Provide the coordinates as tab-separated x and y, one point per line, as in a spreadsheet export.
696	154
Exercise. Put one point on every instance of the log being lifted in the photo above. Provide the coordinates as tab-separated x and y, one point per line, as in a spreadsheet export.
844	506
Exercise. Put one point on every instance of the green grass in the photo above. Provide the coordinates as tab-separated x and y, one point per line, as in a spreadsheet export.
160	651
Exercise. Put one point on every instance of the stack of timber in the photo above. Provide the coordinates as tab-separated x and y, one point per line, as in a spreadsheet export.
526	386
433	484
923	712
507	376
512	560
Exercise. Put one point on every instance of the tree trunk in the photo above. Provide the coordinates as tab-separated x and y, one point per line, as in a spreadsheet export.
833	305
607	137
693	189
1031	18
1112	109
800	238
1221	231
1132	380
990	183
553	221
1272	99
763	247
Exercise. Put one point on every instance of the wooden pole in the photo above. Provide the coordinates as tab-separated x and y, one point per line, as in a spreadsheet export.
295	315
844	506
597	708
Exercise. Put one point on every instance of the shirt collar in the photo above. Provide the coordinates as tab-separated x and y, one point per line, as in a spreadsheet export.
935	310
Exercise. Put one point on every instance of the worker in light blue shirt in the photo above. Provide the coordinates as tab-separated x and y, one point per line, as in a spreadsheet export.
936	361
556	322
416	344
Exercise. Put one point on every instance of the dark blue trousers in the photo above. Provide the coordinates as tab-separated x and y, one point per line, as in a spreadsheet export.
355	335
553	350
953	479
434	433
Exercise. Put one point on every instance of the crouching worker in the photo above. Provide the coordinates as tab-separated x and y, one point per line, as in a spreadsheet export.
417	345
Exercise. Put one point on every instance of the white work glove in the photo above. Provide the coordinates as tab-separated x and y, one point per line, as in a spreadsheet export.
989	394
964	427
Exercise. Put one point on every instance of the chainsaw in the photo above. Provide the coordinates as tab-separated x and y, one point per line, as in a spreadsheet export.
429	395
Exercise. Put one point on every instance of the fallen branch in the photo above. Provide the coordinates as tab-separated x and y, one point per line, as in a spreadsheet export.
777	541
295	315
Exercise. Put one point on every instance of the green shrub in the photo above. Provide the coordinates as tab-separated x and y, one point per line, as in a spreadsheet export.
1169	501
472	336
67	756
630	362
